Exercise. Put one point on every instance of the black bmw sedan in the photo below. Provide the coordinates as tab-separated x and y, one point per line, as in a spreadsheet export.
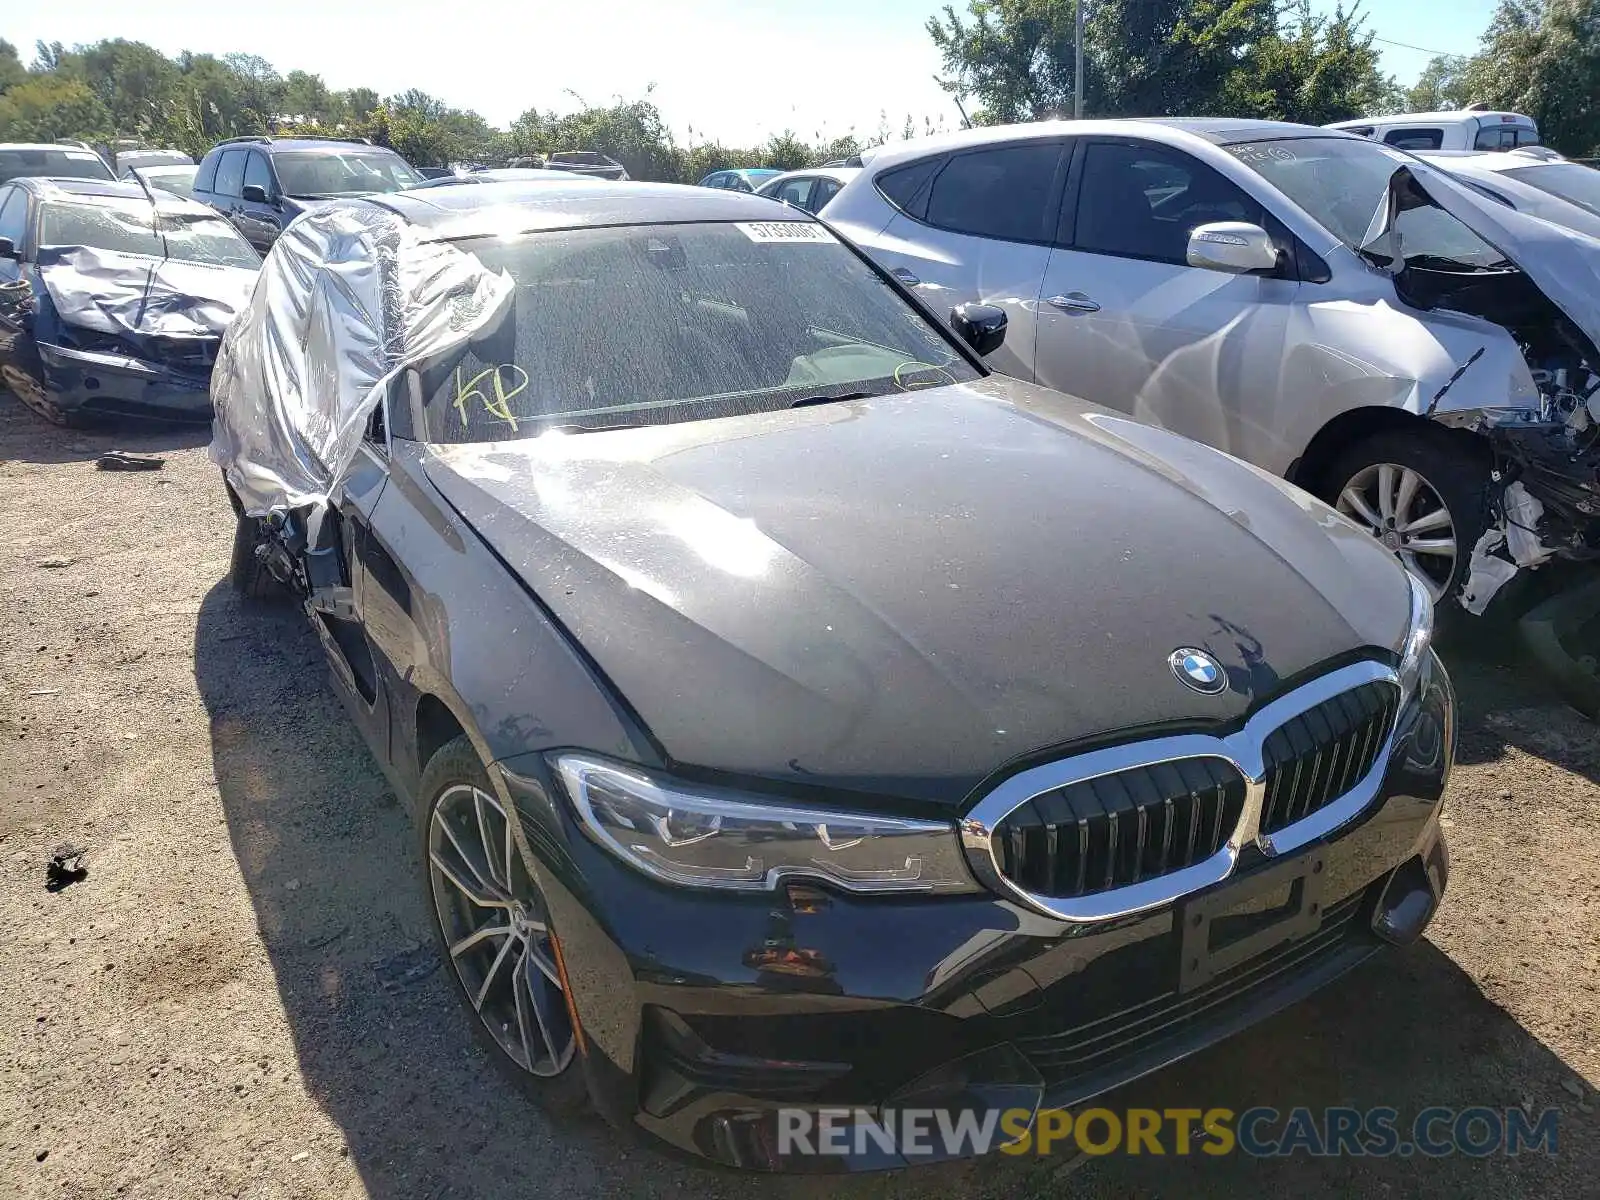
796	716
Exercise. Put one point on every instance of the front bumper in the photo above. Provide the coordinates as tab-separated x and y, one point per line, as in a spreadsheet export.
704	1014
89	381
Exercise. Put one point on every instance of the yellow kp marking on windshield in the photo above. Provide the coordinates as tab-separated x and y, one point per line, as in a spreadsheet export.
498	407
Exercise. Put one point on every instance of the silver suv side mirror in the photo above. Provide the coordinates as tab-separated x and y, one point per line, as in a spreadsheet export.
1236	247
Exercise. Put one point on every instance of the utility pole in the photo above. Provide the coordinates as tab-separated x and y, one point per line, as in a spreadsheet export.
1077	64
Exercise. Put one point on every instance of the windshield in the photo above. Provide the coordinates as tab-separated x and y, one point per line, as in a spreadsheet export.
314	174
661	324
177	180
65	163
1572	182
129	227
1344	183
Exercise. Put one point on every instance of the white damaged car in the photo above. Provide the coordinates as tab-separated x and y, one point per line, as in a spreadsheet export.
1326	307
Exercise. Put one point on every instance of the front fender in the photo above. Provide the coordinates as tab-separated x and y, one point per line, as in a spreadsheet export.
450	621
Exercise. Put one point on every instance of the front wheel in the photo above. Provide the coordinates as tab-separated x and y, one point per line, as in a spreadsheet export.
246	569
1421	495
493	927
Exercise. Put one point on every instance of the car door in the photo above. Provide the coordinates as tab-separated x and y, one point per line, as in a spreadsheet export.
977	226
1125	322
226	190
342	628
822	191
261	221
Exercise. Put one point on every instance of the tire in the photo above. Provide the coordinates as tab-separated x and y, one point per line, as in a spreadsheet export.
1443	481
33	396
246	571
524	1023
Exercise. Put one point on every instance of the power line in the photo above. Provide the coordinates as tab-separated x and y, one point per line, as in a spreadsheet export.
1419	49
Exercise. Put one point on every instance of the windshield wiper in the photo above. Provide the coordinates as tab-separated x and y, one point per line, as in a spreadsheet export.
807	401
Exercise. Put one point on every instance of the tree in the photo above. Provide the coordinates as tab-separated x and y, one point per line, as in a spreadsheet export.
12	72
1159	58
1443	85
47	107
1016	56
306	96
1320	69
136	83
1542	57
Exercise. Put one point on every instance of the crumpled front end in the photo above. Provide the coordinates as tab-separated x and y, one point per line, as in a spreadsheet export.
163	380
1545	487
128	336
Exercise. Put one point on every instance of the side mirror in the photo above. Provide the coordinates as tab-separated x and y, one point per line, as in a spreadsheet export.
8	249
981	326
1235	247
254	193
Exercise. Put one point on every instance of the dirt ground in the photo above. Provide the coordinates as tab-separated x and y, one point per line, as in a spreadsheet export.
236	1003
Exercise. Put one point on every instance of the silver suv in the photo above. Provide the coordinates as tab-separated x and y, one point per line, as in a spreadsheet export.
1325	307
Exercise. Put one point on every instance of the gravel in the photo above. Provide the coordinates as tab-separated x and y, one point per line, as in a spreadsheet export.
229	1003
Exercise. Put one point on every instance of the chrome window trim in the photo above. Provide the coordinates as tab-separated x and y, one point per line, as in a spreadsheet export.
1244	749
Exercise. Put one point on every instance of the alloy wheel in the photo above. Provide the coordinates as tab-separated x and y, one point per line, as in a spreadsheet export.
496	930
1407	514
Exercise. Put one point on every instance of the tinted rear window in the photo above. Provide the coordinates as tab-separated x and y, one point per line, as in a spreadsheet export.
64	163
1414	139
1000	193
907	187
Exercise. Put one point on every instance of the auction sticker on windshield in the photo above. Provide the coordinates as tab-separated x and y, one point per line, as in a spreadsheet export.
784	231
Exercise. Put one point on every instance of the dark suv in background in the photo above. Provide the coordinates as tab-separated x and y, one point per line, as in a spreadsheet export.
262	183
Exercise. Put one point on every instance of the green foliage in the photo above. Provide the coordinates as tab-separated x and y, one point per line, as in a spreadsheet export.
12	72
1442	87
47	107
1160	58
1542	57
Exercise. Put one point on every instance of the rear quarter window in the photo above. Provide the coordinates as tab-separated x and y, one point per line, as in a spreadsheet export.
907	187
207	176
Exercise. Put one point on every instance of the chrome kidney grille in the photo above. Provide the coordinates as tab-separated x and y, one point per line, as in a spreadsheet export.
1132	827
1121	828
1316	757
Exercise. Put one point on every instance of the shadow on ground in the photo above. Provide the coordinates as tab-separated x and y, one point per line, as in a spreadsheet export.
326	852
27	437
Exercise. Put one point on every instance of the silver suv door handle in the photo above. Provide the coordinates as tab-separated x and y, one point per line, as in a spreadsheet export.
1075	302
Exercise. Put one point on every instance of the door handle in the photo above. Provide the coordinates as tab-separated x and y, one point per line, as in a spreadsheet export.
1074	302
905	277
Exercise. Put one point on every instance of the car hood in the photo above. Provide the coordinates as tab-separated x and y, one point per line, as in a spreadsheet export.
134	296
1561	262
900	595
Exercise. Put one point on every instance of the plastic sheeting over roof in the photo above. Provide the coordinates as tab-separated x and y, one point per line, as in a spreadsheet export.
350	296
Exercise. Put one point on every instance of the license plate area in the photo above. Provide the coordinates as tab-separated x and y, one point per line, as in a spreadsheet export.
1235	923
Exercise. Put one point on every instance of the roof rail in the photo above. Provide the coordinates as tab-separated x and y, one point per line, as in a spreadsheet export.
249	137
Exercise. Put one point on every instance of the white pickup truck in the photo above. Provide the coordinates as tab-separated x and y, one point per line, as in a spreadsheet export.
1468	129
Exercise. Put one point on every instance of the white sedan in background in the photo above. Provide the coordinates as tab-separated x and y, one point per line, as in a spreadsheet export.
809	189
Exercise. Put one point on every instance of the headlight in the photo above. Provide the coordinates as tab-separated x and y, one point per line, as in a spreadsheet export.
696	839
1419	637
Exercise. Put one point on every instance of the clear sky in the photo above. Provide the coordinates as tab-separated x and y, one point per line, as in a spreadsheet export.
734	70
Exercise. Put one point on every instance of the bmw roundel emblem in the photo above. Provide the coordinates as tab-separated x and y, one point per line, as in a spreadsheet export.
1198	670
